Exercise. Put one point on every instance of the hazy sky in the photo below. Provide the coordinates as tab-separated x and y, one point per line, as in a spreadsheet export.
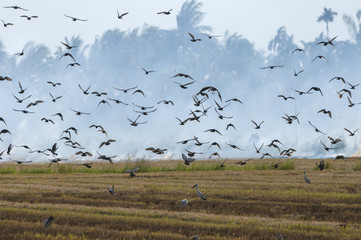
257	20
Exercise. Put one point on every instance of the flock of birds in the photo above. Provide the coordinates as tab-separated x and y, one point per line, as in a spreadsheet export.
208	98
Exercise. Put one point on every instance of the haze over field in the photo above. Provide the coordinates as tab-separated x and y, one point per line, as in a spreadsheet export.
230	63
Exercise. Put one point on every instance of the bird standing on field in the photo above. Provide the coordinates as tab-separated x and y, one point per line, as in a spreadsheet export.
307	180
201	195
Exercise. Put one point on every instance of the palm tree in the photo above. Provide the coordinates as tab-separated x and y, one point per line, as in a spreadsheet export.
352	27
190	16
327	17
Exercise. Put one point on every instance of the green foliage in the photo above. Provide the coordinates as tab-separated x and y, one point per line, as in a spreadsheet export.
357	167
288	165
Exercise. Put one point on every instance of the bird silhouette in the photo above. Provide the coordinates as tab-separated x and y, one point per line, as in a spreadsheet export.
54	84
16	7
258	150
28	17
307	180
54	99
321	165
78	112
185	85
6	24
319	57
316	129
147	71
338	78
211	36
297	73
272	67
325	112
194	39
350	132
187	160
132	171
328	42
135	123
120	16
125	90
72	65
75	19
165	12
258	126
68	46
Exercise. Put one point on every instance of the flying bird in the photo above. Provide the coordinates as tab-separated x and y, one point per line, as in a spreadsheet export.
28	17
325	112
147	71
184	86
84	91
285	98
78	112
272	67
135	123
315	89
68	46
75	19
299	50
120	16
319	57
7	24
165	12
125	90
297	73
258	126
194	39
187	160
53	84
72	65
338	78
350	132
17	7
139	91
258	150
67	55
328	42
54	99
132	171
22	90
211	36
316	129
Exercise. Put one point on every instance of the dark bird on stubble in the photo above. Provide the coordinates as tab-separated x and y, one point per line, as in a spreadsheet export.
321	165
68	46
53	84
340	157
74	19
351	133
120	16
319	57
6	24
165	12
111	189
258	126
194	39
29	17
316	129
22	90
48	221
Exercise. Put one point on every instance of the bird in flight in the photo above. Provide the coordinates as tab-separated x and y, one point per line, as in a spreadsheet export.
78	112
211	36
54	99
337	78
185	85
272	67
53	84
258	150
72	65
315	89
194	39
135	123
28	17
147	71
75	19
68	46
319	57
328	42
353	86
258	126
350	132
351	104
6	24
165	12
285	98
187	160
20	53
297	73
84	91
299	50
125	90
120	16
326	148
325	112
17	7
316	129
